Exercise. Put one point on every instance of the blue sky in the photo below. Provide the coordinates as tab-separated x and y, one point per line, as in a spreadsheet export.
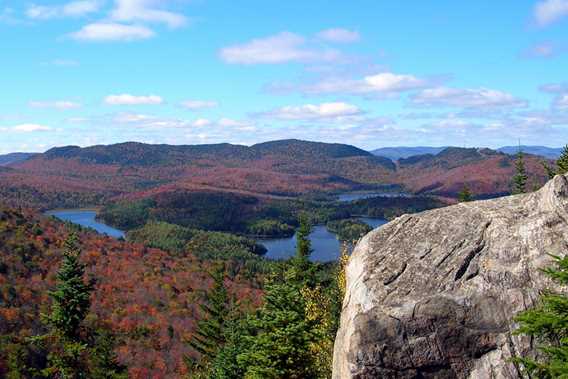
370	73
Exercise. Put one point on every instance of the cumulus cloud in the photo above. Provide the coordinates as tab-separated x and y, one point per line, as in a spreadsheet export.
561	102
339	35
313	111
30	128
60	104
547	12
127	99
199	104
110	31
146	11
482	98
555	88
381	83
71	9
284	47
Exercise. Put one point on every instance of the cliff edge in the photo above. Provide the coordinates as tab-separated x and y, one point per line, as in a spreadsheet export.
432	295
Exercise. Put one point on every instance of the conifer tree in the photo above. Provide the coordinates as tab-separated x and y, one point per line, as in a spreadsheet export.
302	269
562	162
520	179
547	323
103	359
70	305
550	171
465	195
209	337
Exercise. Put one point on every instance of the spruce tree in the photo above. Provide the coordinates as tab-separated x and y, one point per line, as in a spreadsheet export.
550	171
562	162
465	194
548	324
280	345
302	268
70	304
520	179
209	337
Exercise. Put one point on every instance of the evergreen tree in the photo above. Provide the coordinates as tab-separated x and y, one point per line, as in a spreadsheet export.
550	171
280	345
520	179
103	359
209	337
548	324
302	269
465	195
562	162
70	305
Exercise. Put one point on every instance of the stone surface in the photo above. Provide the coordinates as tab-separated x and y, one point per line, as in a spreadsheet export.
432	295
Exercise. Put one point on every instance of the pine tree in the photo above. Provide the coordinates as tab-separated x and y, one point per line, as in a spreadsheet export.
547	323
562	162
465	195
550	171
520	179
70	305
209	337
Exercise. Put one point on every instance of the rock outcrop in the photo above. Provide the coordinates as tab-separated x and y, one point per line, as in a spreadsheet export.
432	295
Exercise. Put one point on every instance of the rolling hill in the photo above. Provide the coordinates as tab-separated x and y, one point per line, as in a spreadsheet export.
11	158
72	176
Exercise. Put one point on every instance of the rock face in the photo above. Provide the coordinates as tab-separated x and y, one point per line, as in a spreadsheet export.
432	295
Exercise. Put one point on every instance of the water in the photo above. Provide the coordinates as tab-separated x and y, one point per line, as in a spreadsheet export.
86	218
353	196
325	245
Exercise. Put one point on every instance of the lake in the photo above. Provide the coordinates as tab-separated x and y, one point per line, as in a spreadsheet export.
325	245
86	218
353	196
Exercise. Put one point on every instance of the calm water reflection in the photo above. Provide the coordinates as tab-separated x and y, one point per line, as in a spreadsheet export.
86	218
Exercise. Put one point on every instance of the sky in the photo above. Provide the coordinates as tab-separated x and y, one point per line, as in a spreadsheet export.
371	73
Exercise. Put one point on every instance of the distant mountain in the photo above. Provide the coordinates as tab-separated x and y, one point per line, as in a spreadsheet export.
73	177
15	158
67	176
486	172
543	151
395	153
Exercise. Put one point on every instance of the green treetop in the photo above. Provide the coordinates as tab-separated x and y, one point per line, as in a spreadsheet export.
465	194
548	324
562	162
520	179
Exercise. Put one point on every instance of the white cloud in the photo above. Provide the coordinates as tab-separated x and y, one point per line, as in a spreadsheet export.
555	88
199	104
314	112
547	12
29	128
71	9
60	104
109	31
284	47
482	98
381	83
126	99
561	102
201	122
339	35
146	11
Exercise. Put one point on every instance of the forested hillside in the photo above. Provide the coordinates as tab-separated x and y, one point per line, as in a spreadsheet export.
148	298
